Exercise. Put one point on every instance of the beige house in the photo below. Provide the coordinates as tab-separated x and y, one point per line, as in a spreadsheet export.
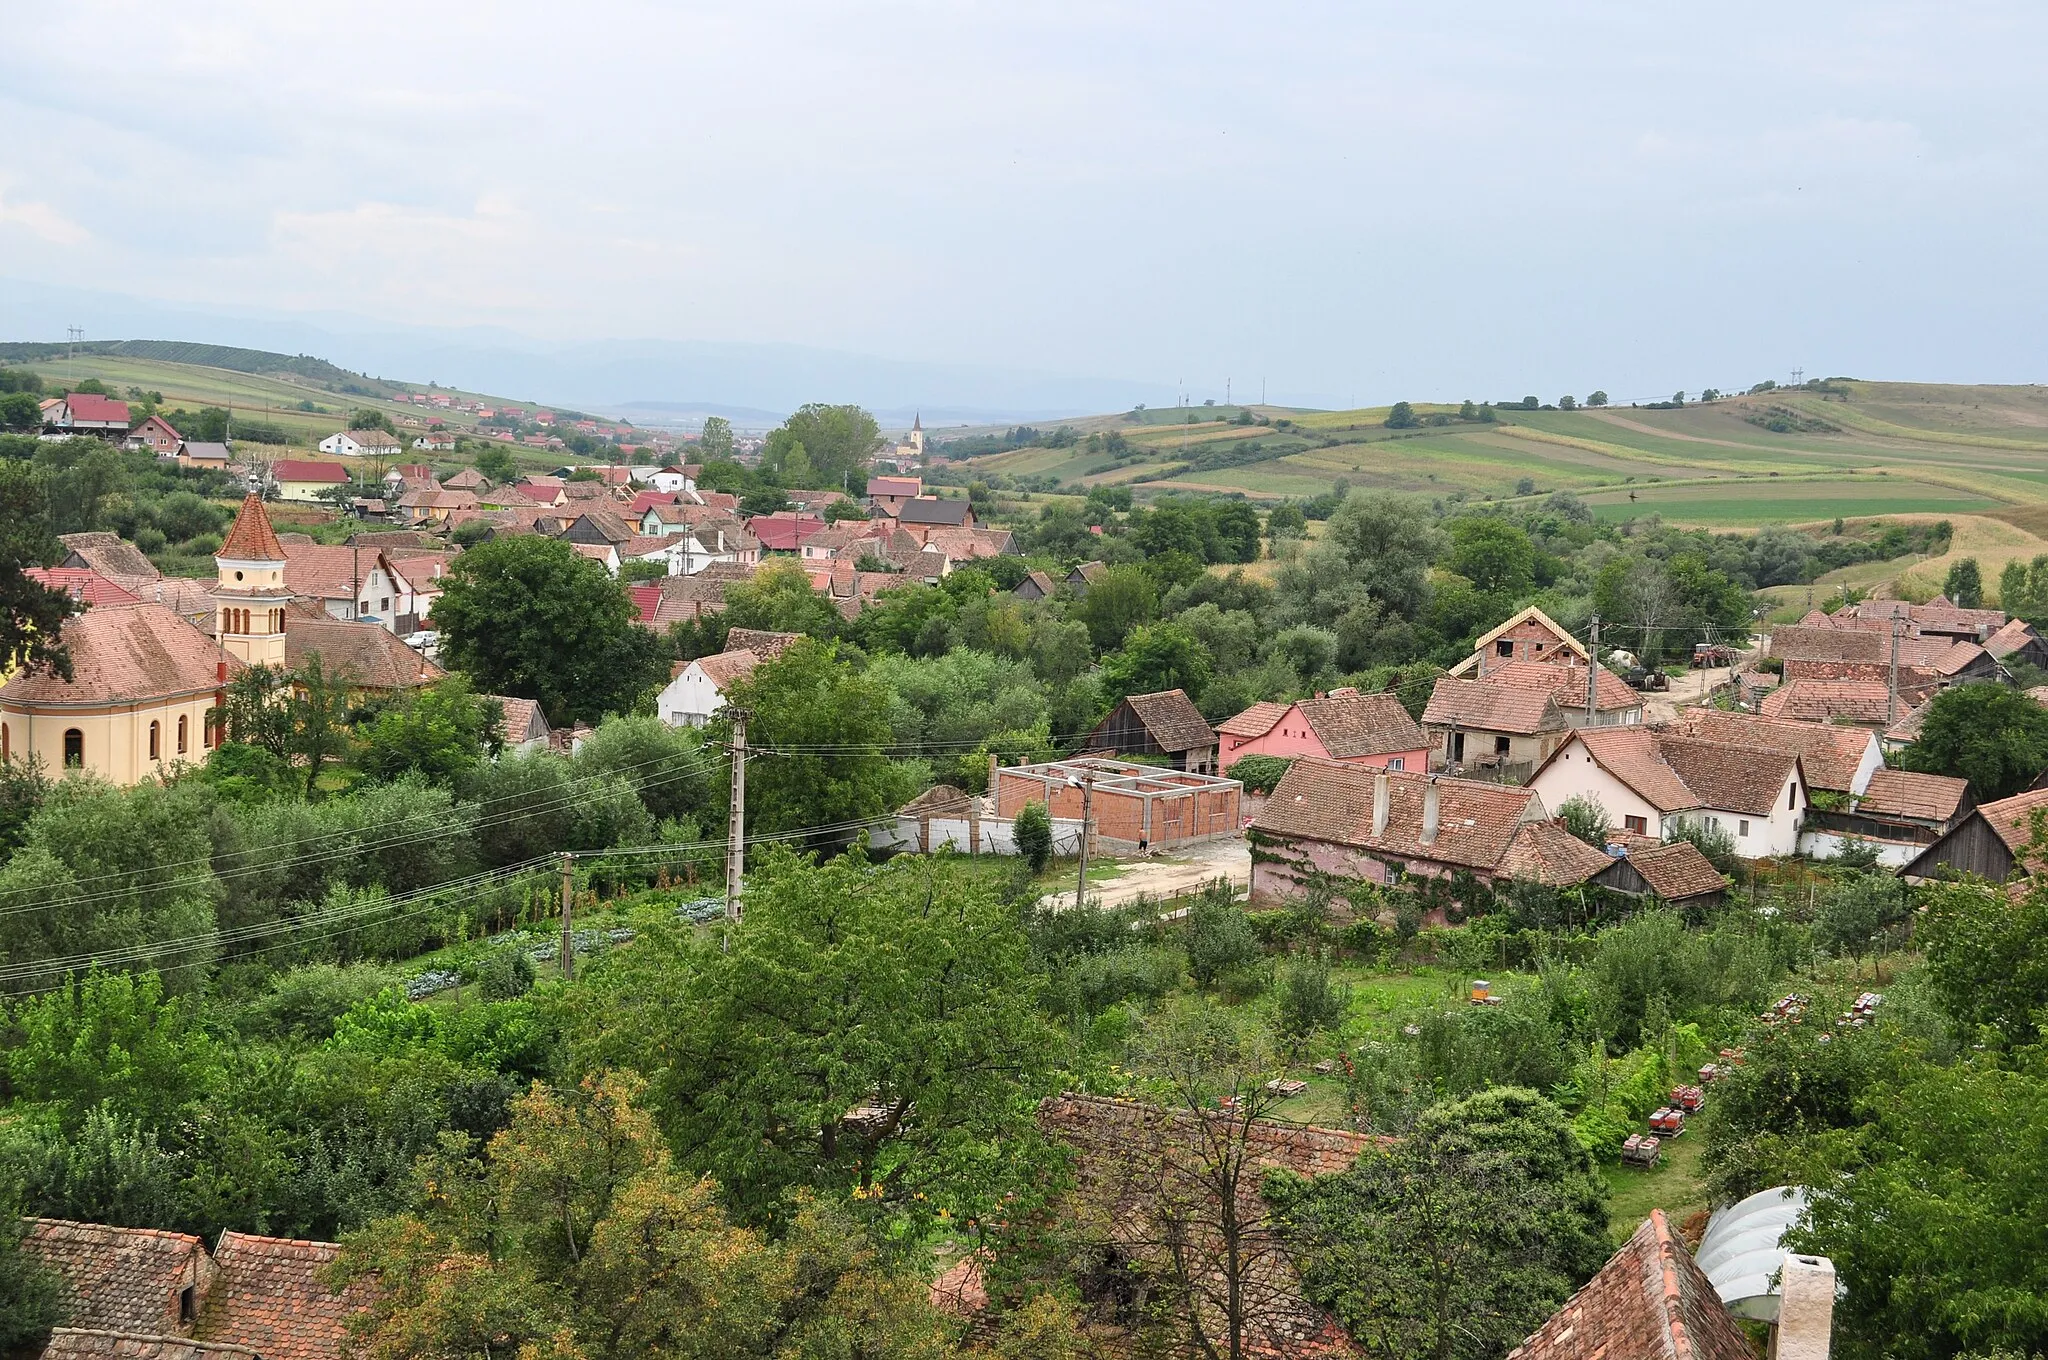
142	682
1483	726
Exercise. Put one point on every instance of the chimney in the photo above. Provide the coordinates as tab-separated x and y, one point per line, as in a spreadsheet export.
1432	812
1380	799
1806	1308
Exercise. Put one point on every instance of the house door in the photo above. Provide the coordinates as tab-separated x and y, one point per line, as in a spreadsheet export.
1458	747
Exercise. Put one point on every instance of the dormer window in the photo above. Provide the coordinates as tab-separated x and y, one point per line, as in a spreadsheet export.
188	1304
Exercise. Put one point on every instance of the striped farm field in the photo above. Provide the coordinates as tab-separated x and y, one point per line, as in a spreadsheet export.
1731	504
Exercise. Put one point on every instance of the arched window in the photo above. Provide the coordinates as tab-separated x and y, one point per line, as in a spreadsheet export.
182	721
74	749
156	741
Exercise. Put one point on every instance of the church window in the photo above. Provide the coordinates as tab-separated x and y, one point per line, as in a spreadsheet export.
74	748
182	721
156	741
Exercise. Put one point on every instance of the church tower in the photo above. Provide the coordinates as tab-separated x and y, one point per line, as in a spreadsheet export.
250	595
917	433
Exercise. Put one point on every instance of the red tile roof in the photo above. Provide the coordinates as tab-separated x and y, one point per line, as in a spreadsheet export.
363	654
1172	719
252	539
1829	752
1353	724
90	406
646	599
119	1279
1858	701
1130	1157
2013	818
784	531
1546	853
308	470
270	1295
81	583
1568	684
1677	870
1920	797
93	1343
1326	800
126	652
1630	754
1673	772
1650	1302
109	554
1255	721
1483	705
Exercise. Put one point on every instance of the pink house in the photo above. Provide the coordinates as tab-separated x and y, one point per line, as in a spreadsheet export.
1344	725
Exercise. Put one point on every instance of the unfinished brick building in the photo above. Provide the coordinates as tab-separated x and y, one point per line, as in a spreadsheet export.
1134	807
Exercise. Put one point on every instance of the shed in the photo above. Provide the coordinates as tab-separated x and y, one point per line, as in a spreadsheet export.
1166	724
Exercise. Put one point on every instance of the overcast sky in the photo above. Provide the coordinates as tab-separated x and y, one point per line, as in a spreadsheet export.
1345	200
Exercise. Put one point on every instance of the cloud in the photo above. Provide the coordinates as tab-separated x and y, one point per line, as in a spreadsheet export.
39	220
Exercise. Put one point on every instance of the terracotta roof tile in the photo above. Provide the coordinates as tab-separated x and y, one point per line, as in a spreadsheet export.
1546	853
1677	870
1255	721
81	583
365	655
1728	778
270	1296
1631	755
2017	633
119	1279
92	1343
1330	801
1128	1156
121	652
329	572
523	720
1362	724
1568	685
252	539
762	642
1922	797
1487	706
784	531
309	470
2013	818
1650	1302
109	554
1858	701
1828	752
1173	720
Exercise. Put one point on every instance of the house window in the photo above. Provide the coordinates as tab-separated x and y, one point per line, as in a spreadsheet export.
1398	763
1505	647
1792	798
1635	824
182	721
188	1304
1742	827
1500	746
156	741
74	749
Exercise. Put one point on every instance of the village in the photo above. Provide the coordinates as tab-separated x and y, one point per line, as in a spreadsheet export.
1530	769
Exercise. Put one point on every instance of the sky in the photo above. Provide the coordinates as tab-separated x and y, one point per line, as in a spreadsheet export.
1335	203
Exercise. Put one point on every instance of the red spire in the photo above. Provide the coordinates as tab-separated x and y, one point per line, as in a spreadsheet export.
252	539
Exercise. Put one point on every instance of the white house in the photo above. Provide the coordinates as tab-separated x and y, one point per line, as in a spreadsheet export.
694	547
1651	782
670	478
696	689
360	444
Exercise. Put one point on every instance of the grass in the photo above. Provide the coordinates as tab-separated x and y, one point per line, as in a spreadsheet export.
1730	503
1676	1186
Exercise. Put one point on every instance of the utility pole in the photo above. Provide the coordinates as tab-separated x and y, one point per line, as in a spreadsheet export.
1593	675
568	911
1087	825
1891	706
736	820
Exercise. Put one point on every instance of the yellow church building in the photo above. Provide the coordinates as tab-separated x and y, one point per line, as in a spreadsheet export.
143	678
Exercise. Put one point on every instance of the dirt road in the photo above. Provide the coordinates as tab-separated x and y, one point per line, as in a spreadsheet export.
1168	875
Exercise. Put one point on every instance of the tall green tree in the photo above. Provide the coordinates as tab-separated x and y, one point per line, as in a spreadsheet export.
528	617
867	1026
438	731
1155	657
824	446
1964	584
1992	735
715	441
1457	1241
31	614
822	729
1117	601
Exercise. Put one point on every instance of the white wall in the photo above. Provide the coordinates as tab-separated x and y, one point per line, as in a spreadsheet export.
1828	844
1573	775
690	699
997	835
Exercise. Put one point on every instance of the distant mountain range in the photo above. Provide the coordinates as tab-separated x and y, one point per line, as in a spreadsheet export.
658	381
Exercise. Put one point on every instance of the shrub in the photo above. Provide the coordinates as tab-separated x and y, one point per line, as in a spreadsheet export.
506	973
1033	831
1220	938
1586	819
1259	773
1308	1001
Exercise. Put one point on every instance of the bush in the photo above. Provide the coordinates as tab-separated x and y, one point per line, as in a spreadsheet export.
1711	839
1586	819
1259	773
506	973
1308	1001
1220	938
1033	831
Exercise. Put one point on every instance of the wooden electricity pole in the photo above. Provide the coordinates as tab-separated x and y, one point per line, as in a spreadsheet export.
736	820
1593	675
1087	824
568	910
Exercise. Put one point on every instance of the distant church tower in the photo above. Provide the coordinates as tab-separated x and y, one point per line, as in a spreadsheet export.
250	596
917	433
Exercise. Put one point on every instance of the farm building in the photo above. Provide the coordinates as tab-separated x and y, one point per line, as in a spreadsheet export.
1990	842
1676	873
1166	725
1133	808
1361	729
1530	635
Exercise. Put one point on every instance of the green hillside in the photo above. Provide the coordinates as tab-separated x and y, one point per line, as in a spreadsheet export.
1840	448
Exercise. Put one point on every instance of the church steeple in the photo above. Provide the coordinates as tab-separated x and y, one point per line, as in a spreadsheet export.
250	593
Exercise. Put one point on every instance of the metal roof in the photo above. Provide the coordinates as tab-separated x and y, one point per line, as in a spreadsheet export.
1742	1250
